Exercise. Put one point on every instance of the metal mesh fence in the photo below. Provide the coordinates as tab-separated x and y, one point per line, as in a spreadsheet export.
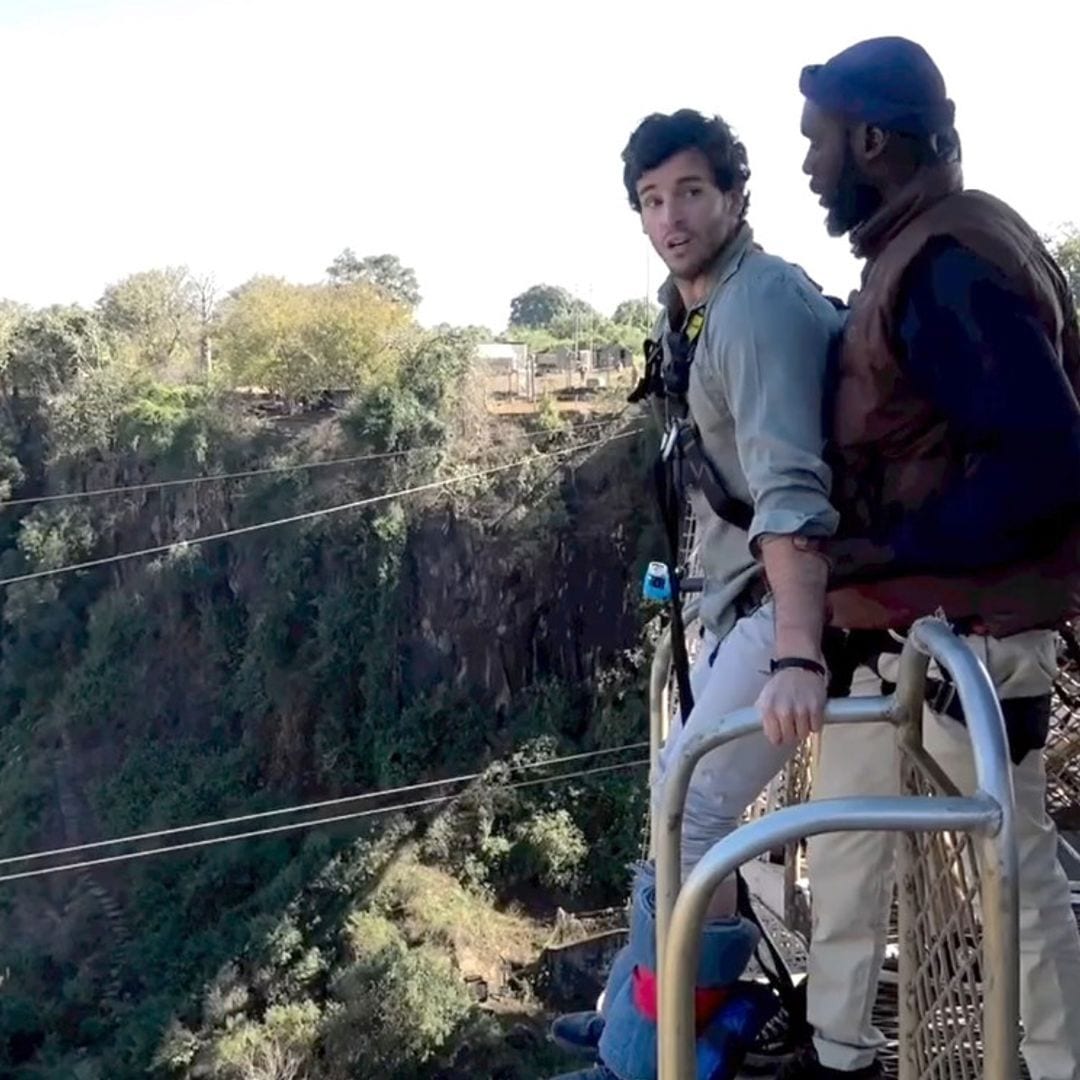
940	998
797	783
1063	751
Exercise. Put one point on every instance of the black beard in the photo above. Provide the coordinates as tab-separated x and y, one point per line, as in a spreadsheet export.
855	200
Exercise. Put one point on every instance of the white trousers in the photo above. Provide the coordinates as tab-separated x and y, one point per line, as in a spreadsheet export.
852	877
727	780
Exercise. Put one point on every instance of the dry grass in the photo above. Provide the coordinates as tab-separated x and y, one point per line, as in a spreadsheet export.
431	906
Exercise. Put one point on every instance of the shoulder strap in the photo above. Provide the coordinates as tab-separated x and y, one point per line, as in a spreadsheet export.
683	463
651	383
684	448
670	504
1072	644
698	471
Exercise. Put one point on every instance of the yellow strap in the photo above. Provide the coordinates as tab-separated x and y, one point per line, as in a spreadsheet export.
694	323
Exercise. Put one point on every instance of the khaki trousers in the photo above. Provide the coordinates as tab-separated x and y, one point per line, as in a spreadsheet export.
852	876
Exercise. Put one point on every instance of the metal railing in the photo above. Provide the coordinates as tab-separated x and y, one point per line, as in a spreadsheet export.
988	816
660	701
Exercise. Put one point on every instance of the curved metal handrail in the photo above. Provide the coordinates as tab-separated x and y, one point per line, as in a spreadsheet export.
893	813
669	820
989	815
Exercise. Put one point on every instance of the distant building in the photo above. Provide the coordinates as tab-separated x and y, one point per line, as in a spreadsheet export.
506	360
564	360
502	358
613	358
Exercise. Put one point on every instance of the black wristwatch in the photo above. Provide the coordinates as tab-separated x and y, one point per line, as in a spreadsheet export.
803	662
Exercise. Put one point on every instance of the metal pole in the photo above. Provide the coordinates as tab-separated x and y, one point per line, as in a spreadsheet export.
659	707
660	703
999	878
659	698
668	824
982	710
683	948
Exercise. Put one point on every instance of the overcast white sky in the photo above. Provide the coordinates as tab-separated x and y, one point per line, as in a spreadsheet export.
478	141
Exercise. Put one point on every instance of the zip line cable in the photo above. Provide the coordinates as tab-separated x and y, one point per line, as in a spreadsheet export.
306	807
292	826
357	504
151	485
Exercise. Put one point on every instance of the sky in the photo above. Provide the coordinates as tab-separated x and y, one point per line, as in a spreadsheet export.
479	142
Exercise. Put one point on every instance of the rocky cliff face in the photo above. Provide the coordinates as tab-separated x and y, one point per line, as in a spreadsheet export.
263	651
490	612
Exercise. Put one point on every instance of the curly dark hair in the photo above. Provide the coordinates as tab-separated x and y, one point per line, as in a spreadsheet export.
660	136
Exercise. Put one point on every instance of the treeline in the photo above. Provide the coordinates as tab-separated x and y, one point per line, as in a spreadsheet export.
549	318
345	333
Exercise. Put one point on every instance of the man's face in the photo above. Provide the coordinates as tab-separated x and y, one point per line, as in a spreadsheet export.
685	215
835	175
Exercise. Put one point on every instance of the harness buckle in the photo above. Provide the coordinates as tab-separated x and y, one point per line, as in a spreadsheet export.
669	441
679	432
941	697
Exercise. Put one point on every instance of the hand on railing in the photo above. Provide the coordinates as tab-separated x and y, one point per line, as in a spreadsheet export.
792	705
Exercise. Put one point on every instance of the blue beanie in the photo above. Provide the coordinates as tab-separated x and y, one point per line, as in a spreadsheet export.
889	82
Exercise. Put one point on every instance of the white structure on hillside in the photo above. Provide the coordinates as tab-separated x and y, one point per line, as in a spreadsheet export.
502	358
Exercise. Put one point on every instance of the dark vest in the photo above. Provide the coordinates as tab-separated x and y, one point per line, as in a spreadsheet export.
892	451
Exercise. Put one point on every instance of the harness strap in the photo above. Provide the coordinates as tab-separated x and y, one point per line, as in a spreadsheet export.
682	464
1072	645
777	970
670	514
651	381
1027	719
696	470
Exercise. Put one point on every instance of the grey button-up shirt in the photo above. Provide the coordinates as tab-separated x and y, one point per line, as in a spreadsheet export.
756	387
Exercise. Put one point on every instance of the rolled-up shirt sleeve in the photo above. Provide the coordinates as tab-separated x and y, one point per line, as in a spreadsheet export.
773	365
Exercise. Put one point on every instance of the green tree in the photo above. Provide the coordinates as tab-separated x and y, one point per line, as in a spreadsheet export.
580	323
45	350
1066	249
639	314
300	340
46	354
399	1007
539	339
539	306
575	324
276	1048
553	848
385	272
423	404
156	318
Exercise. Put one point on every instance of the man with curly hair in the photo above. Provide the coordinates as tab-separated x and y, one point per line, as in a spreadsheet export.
738	366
